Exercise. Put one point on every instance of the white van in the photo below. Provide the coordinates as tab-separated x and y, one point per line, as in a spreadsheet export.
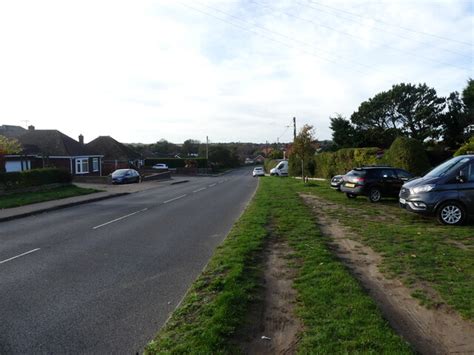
281	169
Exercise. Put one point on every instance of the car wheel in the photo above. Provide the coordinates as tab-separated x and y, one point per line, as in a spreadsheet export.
451	213
375	195
349	195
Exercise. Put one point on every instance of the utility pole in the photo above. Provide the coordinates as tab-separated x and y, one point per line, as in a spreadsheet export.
207	147
294	128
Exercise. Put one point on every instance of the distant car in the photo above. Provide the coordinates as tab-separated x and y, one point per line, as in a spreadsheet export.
375	182
258	171
447	191
160	167
125	176
336	182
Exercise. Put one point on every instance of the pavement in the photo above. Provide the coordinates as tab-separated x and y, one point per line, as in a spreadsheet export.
106	191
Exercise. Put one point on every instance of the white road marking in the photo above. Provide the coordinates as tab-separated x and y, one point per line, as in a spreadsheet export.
203	188
174	199
119	219
212	185
18	256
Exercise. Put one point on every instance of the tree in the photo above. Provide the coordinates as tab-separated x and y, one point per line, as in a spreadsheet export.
454	121
303	150
468	97
164	148
8	146
417	109
190	147
223	157
343	132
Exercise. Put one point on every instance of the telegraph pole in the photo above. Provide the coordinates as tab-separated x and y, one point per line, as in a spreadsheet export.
294	128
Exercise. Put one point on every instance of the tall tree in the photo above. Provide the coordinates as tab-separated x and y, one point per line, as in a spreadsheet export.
343	132
417	109
454	121
190	147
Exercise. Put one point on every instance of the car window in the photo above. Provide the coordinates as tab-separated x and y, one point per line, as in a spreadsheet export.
404	174
388	173
447	167
468	172
356	173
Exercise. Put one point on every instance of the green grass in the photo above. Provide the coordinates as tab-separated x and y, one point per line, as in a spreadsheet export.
27	198
416	250
338	316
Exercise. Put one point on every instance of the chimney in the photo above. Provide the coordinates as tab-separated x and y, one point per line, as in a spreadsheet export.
81	139
31	128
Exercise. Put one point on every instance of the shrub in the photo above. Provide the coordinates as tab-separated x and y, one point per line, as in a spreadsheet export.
340	162
467	148
35	177
409	154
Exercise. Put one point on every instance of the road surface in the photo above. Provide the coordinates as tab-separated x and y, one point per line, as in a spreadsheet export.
104	277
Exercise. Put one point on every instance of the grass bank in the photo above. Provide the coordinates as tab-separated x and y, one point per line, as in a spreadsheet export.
27	198
416	250
337	315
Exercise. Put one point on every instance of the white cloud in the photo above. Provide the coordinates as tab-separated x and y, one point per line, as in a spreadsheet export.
144	70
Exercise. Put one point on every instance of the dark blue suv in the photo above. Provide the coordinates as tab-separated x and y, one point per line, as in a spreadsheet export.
447	191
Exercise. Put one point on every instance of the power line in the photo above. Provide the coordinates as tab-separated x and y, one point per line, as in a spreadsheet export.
265	36
393	25
358	37
384	30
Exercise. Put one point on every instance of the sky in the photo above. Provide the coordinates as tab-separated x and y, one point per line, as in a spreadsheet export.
233	71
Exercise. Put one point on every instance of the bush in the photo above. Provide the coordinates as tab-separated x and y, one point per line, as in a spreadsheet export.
467	148
174	163
340	162
409	154
36	177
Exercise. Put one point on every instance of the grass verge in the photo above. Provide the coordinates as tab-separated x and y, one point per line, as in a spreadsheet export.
337	314
416	250
27	198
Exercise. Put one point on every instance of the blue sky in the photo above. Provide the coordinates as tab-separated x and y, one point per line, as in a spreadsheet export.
231	70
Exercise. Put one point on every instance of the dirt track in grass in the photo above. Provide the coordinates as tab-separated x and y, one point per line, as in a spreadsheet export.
272	327
430	331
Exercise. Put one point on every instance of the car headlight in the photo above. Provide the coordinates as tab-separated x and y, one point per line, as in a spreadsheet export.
421	188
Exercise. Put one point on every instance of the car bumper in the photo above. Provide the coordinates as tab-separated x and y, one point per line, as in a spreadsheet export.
421	203
357	190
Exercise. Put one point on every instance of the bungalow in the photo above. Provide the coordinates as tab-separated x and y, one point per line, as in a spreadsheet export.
51	148
115	154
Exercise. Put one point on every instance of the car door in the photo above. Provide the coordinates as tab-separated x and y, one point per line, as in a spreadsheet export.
466	188
390	182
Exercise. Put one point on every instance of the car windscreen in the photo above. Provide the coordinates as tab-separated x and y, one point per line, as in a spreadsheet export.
447	167
117	173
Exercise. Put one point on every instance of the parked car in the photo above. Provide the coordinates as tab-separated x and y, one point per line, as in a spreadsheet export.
447	191
375	182
160	166
125	176
281	169
258	171
336	182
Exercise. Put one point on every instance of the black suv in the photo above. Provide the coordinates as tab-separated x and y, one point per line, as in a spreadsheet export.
374	182
447	191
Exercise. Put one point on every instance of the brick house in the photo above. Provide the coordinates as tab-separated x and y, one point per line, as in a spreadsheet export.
51	148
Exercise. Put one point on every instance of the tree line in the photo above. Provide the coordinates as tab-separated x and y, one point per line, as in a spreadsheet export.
414	111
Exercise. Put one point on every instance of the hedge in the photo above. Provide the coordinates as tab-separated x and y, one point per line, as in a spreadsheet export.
329	164
409	154
269	164
174	163
36	177
467	148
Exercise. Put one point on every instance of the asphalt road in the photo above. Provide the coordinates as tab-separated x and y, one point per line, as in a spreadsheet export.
104	277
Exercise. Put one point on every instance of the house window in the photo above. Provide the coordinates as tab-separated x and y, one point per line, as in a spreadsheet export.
95	164
82	166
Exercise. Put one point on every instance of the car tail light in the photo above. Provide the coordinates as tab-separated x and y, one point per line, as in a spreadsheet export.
359	179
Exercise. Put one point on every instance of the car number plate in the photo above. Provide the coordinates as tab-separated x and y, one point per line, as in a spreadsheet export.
350	185
403	201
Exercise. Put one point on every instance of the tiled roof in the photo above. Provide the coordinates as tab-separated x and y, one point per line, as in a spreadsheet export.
111	149
11	131
52	143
